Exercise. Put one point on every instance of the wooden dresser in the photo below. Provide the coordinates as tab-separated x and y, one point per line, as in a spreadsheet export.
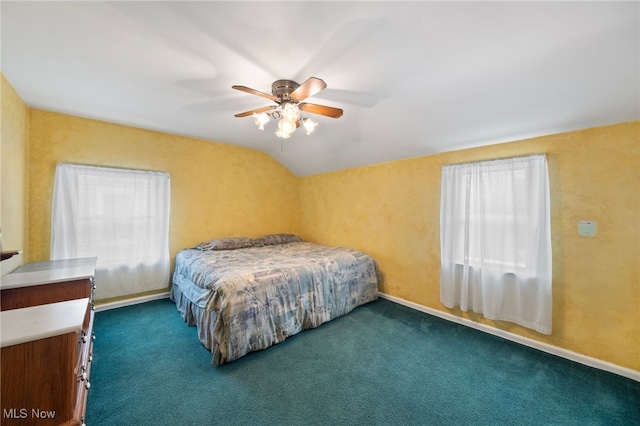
50	281
46	342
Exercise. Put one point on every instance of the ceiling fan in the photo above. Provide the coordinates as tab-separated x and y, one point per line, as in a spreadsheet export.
288	95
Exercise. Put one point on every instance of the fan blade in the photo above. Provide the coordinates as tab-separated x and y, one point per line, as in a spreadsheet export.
257	111
321	110
256	92
308	88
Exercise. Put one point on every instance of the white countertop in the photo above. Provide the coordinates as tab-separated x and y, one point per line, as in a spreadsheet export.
50	271
39	322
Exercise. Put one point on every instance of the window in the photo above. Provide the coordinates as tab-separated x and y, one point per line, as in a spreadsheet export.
119	215
495	240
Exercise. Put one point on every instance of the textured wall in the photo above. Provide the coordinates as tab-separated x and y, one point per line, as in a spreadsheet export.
391	211
217	190
13	168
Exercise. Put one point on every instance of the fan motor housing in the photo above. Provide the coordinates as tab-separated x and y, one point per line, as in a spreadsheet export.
283	88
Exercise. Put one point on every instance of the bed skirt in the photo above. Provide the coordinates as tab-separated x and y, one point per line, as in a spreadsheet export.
194	315
205	321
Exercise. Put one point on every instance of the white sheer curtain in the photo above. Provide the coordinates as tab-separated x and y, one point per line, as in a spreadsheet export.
119	215
495	240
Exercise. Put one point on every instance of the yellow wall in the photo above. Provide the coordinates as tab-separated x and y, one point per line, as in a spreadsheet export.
217	190
13	171
391	211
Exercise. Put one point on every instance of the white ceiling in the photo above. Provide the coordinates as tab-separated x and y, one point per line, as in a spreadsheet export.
413	78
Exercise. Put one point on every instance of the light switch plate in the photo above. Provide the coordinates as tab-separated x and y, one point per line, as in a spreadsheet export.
587	228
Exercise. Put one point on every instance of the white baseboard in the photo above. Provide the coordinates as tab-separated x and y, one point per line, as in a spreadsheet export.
545	347
128	302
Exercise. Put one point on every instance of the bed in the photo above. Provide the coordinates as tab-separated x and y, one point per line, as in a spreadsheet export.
245	295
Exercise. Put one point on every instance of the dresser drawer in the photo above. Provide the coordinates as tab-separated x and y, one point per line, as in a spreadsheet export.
53	281
22	297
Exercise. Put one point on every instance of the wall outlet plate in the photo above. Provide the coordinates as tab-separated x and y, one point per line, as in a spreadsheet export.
587	228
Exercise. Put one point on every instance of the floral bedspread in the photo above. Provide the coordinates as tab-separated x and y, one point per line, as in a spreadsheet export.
262	295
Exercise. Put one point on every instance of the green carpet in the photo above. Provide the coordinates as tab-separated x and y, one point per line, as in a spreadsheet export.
383	364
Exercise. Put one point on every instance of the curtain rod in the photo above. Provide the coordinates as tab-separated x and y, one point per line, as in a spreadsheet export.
496	159
113	167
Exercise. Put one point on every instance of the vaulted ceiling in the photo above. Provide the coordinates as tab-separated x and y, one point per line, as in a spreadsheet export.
413	78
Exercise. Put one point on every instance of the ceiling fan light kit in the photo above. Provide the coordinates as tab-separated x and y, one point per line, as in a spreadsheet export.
288	94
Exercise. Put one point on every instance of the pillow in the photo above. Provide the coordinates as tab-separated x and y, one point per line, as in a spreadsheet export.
272	239
225	244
